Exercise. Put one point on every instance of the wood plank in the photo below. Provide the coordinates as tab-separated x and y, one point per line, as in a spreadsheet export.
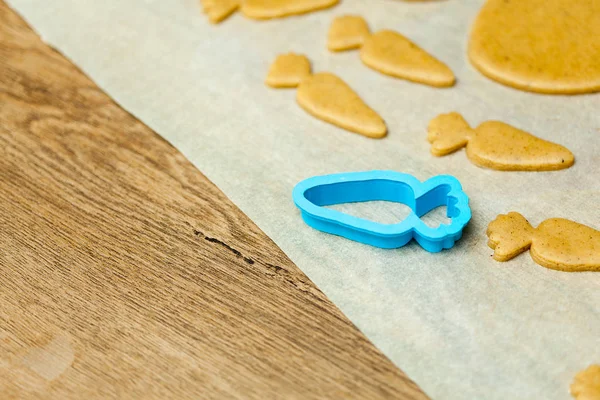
125	273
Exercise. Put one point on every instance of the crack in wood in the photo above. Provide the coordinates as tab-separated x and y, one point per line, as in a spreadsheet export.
277	268
237	253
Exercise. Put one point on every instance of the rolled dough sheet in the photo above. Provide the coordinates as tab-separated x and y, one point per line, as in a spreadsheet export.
459	323
546	46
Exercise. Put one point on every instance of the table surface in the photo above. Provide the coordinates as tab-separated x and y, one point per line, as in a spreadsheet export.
124	272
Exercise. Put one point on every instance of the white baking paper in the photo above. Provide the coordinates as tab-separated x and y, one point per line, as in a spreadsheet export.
462	325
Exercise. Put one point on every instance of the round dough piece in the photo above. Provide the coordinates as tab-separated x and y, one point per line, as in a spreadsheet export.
544	46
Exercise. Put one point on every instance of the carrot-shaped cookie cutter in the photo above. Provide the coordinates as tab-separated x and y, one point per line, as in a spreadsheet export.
313	194
556	243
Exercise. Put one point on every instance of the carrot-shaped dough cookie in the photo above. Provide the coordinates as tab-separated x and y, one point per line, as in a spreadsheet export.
218	10
556	244
325	96
496	145
586	385
388	52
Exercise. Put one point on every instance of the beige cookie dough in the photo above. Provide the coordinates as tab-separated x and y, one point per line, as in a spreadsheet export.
288	70
347	32
267	9
325	96
586	385
393	54
388	52
556	243
329	98
496	145
545	46
218	10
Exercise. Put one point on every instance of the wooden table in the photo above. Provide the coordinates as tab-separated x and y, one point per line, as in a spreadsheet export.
124	272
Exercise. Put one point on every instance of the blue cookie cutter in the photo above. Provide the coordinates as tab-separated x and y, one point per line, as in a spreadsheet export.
312	194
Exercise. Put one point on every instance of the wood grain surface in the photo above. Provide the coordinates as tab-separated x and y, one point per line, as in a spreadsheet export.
125	273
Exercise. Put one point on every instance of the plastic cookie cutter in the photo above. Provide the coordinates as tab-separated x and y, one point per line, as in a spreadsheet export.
312	194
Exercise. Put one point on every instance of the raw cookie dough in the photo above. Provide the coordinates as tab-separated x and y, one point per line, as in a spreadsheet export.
329	98
388	52
393	54
347	32
288	70
326	96
545	46
266	9
496	145
586	385
218	10
556	243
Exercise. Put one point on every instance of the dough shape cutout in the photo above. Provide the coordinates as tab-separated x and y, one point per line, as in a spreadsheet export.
496	145
218	10
347	32
586	385
325	96
389	53
288	70
544	46
556	243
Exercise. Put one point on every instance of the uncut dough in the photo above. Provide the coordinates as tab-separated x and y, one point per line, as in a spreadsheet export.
545	46
329	98
393	54
266	9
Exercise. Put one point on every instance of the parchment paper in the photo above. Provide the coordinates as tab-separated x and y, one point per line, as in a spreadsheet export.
462	325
